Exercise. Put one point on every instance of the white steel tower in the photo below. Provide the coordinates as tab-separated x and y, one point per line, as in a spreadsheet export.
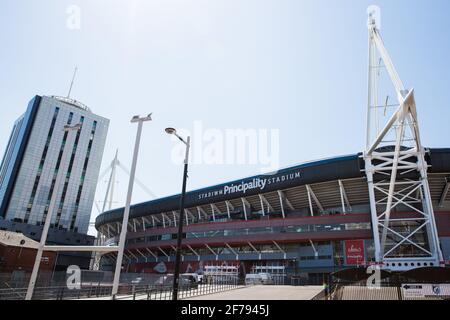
102	238
404	228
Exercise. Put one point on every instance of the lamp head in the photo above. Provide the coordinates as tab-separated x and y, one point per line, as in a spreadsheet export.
135	119
171	131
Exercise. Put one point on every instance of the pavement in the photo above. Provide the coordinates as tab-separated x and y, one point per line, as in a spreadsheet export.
261	292
257	292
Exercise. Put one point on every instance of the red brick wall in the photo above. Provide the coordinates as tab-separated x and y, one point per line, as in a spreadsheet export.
16	258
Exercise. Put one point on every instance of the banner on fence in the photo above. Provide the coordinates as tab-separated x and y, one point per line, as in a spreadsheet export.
425	290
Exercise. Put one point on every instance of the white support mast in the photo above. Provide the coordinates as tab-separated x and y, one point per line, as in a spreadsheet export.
109	194
404	228
109	200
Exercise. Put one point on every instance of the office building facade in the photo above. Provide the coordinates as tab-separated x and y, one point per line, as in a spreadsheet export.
37	150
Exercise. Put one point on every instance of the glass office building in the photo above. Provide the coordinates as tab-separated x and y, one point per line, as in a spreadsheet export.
37	150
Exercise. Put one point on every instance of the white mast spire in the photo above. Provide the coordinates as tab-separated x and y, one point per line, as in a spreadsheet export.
405	233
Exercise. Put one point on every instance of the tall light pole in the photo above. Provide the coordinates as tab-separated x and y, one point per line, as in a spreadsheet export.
126	213
176	275
48	219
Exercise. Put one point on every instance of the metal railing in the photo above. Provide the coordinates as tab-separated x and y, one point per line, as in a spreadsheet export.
391	286
56	293
132	287
185	292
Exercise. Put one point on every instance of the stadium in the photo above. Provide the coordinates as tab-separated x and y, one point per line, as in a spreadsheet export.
304	221
385	207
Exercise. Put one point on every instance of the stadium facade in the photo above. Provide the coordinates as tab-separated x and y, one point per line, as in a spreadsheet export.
303	221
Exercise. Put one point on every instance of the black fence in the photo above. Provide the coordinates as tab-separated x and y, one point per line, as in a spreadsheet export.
98	285
357	284
56	293
157	292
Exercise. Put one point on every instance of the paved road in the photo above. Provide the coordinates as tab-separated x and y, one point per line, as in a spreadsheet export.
259	292
265	293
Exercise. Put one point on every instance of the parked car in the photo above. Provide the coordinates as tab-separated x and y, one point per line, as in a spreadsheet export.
258	278
193	277
137	280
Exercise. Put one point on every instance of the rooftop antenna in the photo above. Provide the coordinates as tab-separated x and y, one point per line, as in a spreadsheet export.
71	84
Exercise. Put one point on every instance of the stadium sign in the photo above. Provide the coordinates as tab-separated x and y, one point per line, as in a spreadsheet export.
260	183
244	186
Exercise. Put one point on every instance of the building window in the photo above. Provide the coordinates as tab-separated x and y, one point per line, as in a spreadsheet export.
69	172
83	175
41	166
55	173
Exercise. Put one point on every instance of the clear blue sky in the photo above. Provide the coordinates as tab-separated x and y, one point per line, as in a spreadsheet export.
297	66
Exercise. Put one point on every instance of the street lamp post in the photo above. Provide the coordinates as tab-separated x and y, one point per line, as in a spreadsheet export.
126	214
48	219
176	275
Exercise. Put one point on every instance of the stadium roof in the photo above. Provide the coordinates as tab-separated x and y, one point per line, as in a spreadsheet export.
332	169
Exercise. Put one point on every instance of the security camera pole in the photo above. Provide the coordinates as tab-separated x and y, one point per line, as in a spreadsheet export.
126	214
48	218
176	275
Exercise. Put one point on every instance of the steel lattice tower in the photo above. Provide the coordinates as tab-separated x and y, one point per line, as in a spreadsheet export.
404	228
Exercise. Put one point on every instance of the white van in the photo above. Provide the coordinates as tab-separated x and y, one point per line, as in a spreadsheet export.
266	278
258	278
